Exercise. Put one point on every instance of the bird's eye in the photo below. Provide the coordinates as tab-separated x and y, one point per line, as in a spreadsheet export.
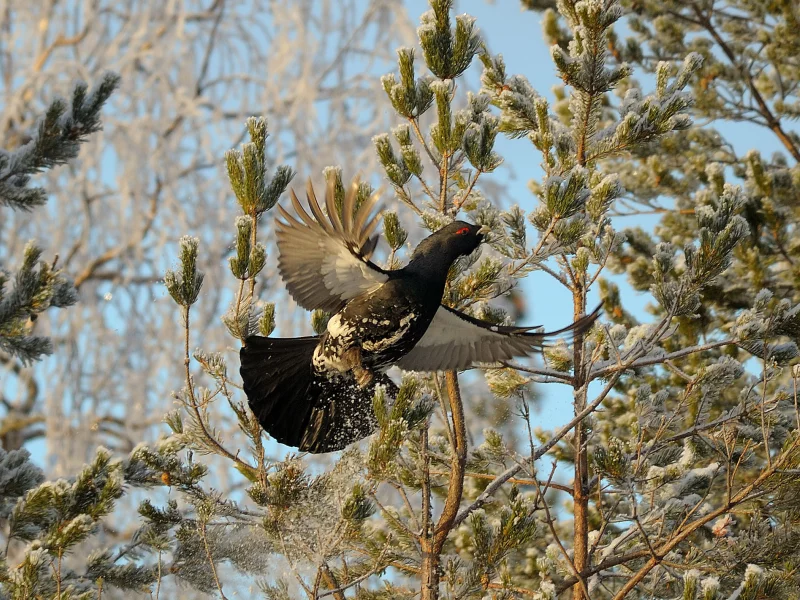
462	231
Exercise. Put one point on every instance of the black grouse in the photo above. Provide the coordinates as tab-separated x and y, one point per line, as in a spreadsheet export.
316	392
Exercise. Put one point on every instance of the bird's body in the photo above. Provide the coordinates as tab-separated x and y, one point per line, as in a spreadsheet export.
384	324
316	392
387	323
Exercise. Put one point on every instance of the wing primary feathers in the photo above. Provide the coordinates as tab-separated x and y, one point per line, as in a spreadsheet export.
578	327
315	208
330	206
369	247
349	206
324	258
363	214
367	231
307	219
291	220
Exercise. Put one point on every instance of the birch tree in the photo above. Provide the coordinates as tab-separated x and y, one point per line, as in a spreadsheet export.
191	73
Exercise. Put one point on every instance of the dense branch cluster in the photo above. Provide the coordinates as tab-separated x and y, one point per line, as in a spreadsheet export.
676	474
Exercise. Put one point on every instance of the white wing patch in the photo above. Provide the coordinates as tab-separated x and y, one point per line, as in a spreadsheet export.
455	341
347	275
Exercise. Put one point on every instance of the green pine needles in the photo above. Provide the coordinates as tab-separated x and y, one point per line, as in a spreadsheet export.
37	285
676	473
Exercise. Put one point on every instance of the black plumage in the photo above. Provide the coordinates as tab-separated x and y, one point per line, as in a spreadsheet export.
316	392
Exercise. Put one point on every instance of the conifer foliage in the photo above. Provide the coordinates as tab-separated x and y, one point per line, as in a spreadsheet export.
37	285
675	476
723	255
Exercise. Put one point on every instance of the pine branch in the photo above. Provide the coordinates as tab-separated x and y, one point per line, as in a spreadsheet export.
772	122
57	139
503	478
37	287
746	494
601	372
551	525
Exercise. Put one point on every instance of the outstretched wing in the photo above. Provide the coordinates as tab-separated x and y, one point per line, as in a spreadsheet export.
324	260
455	341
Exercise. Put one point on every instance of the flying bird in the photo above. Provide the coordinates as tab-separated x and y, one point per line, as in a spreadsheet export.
316	392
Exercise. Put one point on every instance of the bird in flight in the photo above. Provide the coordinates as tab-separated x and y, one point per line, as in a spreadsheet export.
316	392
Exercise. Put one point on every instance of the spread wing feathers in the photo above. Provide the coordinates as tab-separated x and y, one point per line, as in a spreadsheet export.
324	260
455	340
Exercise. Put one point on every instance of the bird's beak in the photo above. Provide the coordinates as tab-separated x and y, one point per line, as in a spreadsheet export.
483	231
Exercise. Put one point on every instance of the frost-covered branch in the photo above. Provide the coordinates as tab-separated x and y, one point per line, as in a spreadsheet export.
57	139
38	285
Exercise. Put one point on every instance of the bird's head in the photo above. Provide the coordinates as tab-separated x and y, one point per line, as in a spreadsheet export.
448	243
462	238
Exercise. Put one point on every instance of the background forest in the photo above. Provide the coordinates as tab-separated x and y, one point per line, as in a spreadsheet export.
657	456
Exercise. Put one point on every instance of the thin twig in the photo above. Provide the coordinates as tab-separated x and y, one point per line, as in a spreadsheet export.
560	375
202	526
196	407
764	427
379	566
551	525
330	579
292	566
540	451
457	204
421	138
655	360
513	480
545	235
158	576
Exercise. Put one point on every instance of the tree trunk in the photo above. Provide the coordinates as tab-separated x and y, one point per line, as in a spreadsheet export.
580	543
432	545
429	583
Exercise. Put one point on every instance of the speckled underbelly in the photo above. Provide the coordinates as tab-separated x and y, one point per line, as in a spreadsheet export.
382	341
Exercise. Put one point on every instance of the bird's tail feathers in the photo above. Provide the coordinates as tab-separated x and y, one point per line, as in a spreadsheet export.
299	407
276	373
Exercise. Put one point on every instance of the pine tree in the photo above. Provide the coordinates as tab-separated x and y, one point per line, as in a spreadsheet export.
687	442
38	285
748	75
676	475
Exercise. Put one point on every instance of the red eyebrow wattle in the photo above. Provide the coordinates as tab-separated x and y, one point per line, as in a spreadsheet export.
462	231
